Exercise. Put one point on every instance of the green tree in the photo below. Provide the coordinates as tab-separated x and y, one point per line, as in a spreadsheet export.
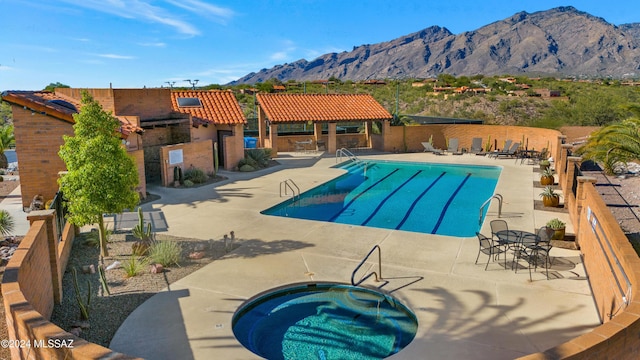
614	144
6	115
6	140
53	86
101	177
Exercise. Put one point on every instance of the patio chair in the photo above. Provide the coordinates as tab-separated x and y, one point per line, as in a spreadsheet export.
476	146
501	225
538	251
511	152
488	247
429	148
453	147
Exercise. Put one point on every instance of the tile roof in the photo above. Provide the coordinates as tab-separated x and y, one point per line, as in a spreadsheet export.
218	107
60	107
321	107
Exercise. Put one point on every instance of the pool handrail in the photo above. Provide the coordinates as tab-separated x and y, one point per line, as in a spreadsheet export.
378	275
344	152
495	196
291	185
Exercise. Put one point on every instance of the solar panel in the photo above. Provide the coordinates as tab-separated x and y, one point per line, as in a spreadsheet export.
64	104
189	102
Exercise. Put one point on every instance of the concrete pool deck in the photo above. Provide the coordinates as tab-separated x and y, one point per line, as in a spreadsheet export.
463	311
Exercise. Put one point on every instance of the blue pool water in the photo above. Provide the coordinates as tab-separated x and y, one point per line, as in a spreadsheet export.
324	321
421	197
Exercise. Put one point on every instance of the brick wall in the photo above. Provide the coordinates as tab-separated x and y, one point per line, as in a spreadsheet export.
38	140
397	138
148	104
103	96
196	154
28	298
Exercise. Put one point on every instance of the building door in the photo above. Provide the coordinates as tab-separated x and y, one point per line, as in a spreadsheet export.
221	150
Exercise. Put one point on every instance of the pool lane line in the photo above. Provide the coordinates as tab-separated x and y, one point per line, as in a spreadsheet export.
375	211
446	206
415	202
360	194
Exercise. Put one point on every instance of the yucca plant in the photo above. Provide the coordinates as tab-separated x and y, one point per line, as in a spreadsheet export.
166	253
7	224
134	265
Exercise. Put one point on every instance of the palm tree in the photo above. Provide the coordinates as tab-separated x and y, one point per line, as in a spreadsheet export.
614	144
6	139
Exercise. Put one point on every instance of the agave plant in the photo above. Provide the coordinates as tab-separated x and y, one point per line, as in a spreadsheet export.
6	223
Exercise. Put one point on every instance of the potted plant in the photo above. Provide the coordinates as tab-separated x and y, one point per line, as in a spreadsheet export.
558	227
544	164
549	197
546	177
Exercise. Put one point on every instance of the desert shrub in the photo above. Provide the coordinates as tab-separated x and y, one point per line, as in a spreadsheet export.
165	253
259	156
246	168
188	183
92	238
134	266
195	175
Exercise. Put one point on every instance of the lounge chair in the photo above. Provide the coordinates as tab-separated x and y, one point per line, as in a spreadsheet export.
429	148
476	146
453	147
508	153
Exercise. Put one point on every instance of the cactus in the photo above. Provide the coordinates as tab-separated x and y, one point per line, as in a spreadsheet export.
103	280
180	176
84	307
216	161
141	231
487	145
176	173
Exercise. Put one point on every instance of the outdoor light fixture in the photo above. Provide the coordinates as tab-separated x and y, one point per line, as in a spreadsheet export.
193	83
170	83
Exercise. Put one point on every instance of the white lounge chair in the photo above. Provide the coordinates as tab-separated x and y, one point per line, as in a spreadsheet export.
429	148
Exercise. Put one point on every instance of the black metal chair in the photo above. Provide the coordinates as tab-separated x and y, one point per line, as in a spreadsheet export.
488	247
538	251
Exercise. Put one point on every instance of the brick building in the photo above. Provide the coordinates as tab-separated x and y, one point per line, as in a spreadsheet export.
153	123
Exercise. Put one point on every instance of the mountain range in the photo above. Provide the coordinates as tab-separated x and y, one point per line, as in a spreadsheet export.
562	41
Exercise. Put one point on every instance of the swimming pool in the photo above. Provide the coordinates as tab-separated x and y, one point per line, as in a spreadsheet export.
430	198
324	321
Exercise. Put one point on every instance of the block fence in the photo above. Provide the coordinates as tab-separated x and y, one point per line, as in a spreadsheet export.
31	284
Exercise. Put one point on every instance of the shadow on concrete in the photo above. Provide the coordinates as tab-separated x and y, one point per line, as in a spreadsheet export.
513	334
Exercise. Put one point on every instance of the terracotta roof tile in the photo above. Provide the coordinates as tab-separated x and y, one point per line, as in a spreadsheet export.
321	107
218	107
60	107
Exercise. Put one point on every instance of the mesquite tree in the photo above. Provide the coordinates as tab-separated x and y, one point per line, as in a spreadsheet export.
101	177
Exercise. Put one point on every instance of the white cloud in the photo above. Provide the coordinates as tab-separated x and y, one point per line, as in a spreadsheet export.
138	10
202	8
82	39
279	56
5	68
153	44
115	56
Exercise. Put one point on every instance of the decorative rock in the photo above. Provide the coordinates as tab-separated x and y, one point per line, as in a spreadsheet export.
199	247
75	331
196	255
88	269
114	265
156	268
81	324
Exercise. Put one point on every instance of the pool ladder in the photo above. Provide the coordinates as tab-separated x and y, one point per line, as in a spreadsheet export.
346	153
496	196
289	185
378	275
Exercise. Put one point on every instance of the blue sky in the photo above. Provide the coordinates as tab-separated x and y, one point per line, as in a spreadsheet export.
136	43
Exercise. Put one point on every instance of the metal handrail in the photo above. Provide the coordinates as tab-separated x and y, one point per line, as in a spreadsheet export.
496	196
377	275
625	295
344	152
291	185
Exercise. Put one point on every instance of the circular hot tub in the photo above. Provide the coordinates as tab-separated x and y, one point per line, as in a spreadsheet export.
324	321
